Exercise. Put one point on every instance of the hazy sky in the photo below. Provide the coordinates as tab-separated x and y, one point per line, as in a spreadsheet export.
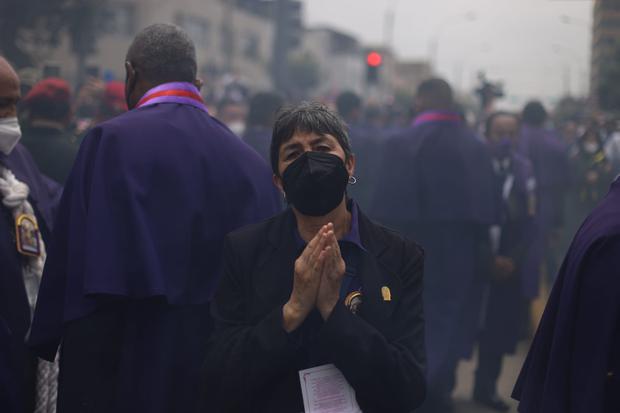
534	46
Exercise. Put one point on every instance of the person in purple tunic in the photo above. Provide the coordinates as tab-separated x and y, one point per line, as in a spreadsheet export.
26	198
436	184
574	362
139	239
366	141
505	306
264	107
549	157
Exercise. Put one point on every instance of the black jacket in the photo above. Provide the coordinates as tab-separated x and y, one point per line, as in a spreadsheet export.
52	150
253	364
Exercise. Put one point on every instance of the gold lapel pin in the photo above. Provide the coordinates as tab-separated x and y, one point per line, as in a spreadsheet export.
386	293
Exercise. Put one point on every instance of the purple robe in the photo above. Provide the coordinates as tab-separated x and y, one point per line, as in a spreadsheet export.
436	186
574	362
365	143
548	155
17	366
259	138
137	256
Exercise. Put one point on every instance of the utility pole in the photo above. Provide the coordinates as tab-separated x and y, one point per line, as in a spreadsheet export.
389	23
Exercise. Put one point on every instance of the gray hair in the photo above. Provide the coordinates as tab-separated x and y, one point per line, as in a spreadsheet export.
164	53
307	117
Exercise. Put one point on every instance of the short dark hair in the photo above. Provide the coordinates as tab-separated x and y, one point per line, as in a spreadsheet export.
438	92
347	102
264	107
534	113
307	117
493	116
164	53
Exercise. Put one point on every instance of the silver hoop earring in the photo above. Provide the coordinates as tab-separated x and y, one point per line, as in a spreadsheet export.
352	180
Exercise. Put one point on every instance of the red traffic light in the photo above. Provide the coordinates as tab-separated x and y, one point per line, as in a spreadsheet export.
374	59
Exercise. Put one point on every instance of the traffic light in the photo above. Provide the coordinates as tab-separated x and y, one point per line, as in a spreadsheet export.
374	60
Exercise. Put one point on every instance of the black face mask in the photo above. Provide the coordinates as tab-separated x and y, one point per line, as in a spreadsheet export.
315	183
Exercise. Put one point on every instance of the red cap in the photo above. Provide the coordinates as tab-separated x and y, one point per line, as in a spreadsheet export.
52	89
114	96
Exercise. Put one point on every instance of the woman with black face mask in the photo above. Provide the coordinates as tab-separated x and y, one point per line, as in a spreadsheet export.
319	306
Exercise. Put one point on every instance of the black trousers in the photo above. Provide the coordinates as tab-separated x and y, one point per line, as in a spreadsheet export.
489	367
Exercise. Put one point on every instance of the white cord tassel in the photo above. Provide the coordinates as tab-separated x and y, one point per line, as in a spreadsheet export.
15	197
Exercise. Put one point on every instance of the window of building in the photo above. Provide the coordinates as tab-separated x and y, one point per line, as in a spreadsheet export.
251	46
610	5
118	18
342	43
610	22
198	28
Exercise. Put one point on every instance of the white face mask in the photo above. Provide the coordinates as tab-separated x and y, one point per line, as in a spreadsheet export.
238	128
10	134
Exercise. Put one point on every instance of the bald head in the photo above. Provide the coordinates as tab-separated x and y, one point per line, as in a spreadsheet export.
9	90
434	94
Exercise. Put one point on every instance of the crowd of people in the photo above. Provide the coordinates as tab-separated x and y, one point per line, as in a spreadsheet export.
131	282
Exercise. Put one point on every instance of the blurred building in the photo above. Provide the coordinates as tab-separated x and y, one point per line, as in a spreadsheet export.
229	38
339	59
346	64
605	38
409	75
235	42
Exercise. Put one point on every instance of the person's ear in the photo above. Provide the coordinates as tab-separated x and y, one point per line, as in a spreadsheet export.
277	181
131	80
350	165
198	83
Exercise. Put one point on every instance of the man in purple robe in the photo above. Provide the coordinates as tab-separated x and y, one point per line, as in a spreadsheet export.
365	140
264	107
549	158
22	189
139	238
574	362
436	184
504	304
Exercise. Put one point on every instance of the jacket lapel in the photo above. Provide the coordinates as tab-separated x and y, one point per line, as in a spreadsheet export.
378	270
